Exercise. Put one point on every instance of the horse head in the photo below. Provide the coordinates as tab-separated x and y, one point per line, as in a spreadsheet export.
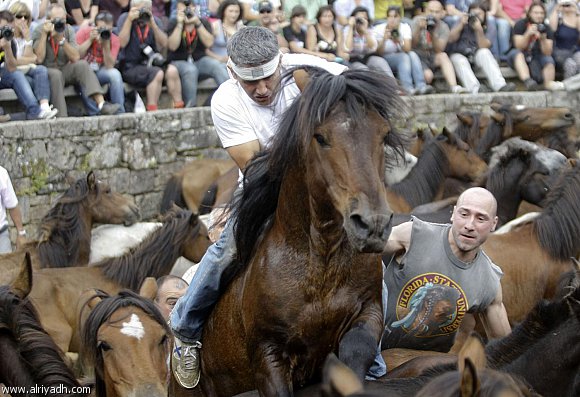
127	341
464	163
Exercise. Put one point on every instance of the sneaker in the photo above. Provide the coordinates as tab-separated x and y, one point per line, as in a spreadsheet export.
109	108
47	114
426	89
508	87
556	86
185	363
532	85
457	89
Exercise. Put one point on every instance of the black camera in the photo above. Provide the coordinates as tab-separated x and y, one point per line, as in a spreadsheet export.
6	32
395	33
105	33
59	25
431	22
144	15
472	18
189	13
359	21
541	28
153	58
187	3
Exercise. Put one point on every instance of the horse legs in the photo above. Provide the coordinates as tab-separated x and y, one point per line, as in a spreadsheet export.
357	349
272	374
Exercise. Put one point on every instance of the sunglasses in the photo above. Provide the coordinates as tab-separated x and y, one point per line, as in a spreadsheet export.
265	11
567	5
21	16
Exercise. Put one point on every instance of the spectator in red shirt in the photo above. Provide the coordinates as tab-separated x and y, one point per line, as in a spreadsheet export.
100	47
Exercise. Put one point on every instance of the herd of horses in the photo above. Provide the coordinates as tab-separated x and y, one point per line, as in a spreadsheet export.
311	225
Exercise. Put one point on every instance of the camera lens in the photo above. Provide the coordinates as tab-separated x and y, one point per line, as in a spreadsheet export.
359	21
105	34
188	13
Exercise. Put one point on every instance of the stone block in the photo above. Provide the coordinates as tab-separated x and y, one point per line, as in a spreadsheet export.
67	127
138	152
107	152
141	181
119	179
149	205
61	154
36	130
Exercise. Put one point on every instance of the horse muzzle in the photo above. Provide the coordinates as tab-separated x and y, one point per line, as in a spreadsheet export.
368	233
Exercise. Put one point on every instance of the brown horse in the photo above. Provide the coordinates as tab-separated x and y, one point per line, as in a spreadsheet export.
65	232
533	256
200	184
441	157
56	292
30	358
126	340
310	226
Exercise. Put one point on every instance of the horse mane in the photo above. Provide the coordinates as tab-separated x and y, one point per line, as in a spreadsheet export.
501	157
358	91
62	229
38	352
155	255
90	351
558	227
469	133
495	132
424	179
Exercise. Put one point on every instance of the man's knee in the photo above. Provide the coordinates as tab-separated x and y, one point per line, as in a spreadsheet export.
171	72
55	76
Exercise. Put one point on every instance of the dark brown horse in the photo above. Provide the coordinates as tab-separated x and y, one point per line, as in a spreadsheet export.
29	358
311	224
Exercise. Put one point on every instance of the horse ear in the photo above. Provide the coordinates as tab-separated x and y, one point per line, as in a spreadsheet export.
338	379
469	380
465	118
302	78
499	117
92	181
474	351
495	106
22	285
148	289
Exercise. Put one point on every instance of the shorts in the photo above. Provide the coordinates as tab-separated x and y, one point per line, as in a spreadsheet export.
140	75
536	64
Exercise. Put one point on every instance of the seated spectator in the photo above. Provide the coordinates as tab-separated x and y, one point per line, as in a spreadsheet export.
36	8
274	25
469	46
565	21
311	7
513	10
344	8
141	64
532	56
115	7
268	19
430	36
229	21
394	45
202	8
100	48
56	48
189	38
37	75
502	43
382	6
82	12
361	44
324	38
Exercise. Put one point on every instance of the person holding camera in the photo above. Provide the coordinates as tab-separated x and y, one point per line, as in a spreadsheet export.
430	36
394	45
189	38
55	47
565	22
100	47
469	46
37	75
531	56
142	39
361	44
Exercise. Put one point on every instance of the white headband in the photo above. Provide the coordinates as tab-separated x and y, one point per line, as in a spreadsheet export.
253	73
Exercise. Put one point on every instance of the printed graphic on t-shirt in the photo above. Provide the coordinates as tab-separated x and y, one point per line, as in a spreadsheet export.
2	56
430	305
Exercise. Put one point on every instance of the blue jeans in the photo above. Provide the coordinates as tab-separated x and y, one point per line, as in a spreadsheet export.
17	81
38	79
113	78
502	44
191	73
407	66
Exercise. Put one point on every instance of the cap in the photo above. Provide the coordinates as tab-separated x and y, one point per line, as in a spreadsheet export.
265	6
297	11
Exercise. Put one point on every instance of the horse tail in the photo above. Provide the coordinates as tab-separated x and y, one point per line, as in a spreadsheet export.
208	200
173	194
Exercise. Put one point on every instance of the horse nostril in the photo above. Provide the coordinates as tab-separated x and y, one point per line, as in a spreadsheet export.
569	116
359	223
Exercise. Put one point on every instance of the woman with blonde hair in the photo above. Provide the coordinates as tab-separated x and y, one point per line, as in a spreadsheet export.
37	75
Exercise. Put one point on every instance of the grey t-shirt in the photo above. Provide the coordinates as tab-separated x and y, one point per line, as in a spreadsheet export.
430	290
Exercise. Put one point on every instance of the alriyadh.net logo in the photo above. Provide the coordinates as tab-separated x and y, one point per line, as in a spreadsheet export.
45	390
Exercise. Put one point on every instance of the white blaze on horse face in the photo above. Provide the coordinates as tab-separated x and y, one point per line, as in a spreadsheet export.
134	327
520	107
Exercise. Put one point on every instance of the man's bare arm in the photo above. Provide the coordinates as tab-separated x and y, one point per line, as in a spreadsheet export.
400	238
243	153
495	319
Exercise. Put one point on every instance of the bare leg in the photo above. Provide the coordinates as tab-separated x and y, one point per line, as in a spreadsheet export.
173	83
442	60
154	89
521	67
549	73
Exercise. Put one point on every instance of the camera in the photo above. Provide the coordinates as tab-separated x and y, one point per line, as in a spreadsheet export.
153	58
431	23
6	32
472	18
395	34
144	15
189	13
59	25
359	21
541	28
105	33
187	3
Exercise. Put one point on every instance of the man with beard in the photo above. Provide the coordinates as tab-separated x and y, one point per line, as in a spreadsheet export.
430	257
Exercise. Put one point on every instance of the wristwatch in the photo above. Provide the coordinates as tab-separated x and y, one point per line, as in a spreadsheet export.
22	232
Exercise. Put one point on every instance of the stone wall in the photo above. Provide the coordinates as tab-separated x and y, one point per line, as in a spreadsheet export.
136	153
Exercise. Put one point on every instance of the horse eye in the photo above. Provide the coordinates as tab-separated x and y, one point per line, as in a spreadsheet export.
321	141
104	346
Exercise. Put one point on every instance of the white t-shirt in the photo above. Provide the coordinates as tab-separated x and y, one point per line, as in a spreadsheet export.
8	198
238	119
391	47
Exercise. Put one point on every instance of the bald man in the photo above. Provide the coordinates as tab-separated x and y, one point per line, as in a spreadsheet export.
439	278
169	290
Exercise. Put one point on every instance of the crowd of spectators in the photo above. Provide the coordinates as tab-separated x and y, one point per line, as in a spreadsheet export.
99	45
